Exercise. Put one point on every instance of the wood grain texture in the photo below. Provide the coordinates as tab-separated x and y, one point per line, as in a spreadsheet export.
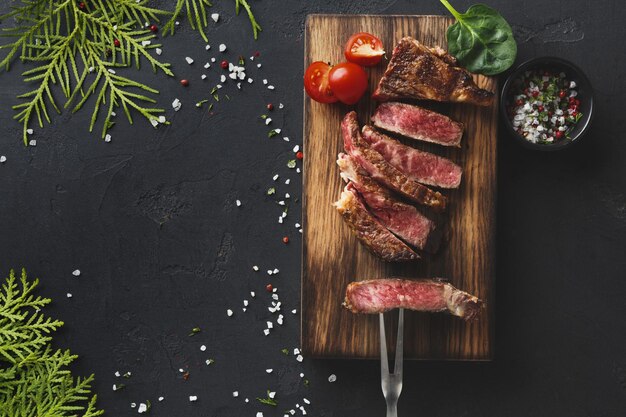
332	257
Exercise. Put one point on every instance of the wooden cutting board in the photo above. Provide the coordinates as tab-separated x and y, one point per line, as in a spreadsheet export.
332	256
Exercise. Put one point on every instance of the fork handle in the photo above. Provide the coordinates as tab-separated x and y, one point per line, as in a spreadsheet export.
392	410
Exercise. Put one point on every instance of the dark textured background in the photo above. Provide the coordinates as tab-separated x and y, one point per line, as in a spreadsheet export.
150	221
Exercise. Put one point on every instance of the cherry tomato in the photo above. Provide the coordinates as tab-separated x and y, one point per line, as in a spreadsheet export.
364	49
316	82
348	81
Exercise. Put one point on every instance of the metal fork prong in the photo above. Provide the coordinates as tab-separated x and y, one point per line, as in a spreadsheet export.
399	344
384	362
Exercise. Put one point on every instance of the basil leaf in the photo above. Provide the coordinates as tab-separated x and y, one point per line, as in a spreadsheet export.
481	40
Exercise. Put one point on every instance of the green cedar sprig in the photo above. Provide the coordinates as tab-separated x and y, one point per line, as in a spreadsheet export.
80	46
34	378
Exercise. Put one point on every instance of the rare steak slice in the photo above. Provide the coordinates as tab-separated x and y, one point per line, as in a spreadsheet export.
424	167
403	219
380	241
380	170
418	72
418	123
430	295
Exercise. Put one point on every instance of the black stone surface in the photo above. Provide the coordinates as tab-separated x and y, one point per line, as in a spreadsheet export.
150	219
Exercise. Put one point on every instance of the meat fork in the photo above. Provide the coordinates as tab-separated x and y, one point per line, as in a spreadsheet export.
391	383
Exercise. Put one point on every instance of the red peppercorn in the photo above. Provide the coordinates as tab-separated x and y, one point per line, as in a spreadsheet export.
154	28
572	99
535	93
270	106
299	155
82	5
224	64
116	42
574	114
286	239
257	53
559	134
269	288
562	94
519	102
184	83
540	108
577	102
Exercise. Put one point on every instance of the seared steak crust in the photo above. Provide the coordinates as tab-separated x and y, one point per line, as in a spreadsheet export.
402	219
380	170
418	123
418	72
421	166
429	295
380	241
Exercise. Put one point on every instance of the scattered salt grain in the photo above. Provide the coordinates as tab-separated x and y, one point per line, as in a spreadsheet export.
270	87
32	143
269	371
207	47
235	393
142	408
133	405
296	148
250	80
286	139
222	78
213	59
332	378
281	105
153	122
296	351
117	374
107	138
265	82
252	294
161	119
3	159
255	268
275	177
203	348
203	76
270	325
69	295
268	121
294	311
215	17
269	272
287	195
287	181
279	320
189	60
76	272
271	394
207	65
112	71
258	65
266	332
306	401
276	271
161	398
229	312
193	398
245	303
301	375
238	202
222	47
297	225
158	51
176	104
145	43
259	414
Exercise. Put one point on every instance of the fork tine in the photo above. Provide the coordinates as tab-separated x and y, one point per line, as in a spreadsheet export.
399	344
384	362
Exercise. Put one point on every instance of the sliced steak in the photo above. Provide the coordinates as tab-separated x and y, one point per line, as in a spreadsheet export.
424	167
383	172
418	123
402	219
380	241
418	72
432	295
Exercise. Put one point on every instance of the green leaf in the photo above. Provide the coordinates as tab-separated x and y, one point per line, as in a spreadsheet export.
481	40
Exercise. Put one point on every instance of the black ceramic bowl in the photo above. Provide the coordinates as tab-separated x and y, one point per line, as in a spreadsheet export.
585	95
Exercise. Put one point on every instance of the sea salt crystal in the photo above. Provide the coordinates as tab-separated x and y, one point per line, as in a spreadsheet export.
332	378
193	398
207	47
161	398
269	371
161	119
256	268
238	202
69	295
76	272
142	408
270	87
229	312
252	294
222	47
176	104
223	78
153	122
296	148
107	138
203	348
215	17
259	414
235	393
268	121
270	325
266	332
33	142
306	401
294	311
203	76
275	177
232	75
145	43
213	59
207	65
158	51
189	60
287	181
271	394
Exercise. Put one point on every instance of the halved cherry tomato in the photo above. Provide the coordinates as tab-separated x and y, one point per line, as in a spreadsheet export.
348	82
364	49
316	82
